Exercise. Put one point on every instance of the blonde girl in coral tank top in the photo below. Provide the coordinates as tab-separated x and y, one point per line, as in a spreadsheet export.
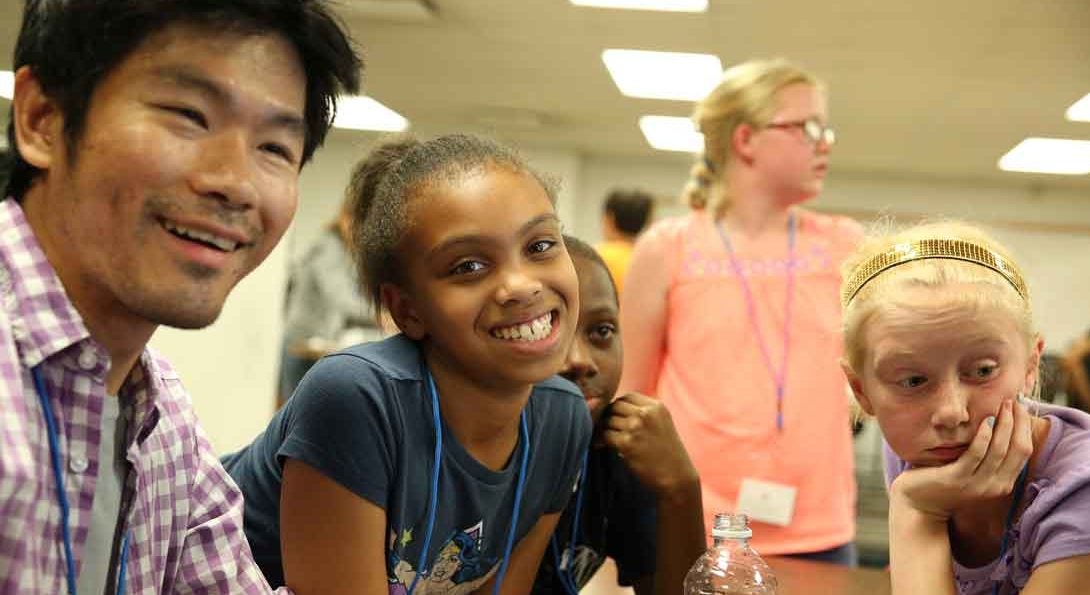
735	324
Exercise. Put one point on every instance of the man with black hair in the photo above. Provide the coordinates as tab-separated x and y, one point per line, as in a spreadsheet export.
156	153
624	215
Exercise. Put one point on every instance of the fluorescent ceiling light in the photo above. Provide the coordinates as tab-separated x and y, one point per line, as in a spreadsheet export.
1080	110
364	113
670	133
1048	156
7	84
404	11
663	75
664	5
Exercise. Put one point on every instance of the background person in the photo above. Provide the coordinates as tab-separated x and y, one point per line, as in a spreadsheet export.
1076	366
624	215
735	325
325	308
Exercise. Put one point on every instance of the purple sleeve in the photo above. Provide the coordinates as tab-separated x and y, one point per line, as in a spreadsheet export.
1057	524
215	556
893	464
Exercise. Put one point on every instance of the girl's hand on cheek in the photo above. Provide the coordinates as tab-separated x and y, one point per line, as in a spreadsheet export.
988	469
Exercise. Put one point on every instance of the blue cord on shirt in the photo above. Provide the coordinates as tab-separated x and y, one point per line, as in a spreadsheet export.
1019	488
562	572
433	492
62	497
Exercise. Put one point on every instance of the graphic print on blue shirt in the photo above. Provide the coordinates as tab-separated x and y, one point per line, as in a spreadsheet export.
363	417
459	567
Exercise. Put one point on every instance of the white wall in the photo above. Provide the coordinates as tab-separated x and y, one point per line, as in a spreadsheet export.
324	180
230	368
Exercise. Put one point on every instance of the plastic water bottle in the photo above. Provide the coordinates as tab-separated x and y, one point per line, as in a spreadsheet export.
730	566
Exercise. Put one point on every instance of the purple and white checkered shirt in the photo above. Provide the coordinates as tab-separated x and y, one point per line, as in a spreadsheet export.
184	512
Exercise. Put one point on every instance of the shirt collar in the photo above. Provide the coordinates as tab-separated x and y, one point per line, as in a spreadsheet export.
44	321
145	388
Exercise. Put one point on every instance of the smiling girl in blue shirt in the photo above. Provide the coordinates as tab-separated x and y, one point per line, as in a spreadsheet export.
462	247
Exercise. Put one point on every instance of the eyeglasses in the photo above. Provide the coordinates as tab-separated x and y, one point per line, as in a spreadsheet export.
812	128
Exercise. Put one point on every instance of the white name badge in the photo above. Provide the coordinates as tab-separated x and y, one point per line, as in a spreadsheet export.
767	501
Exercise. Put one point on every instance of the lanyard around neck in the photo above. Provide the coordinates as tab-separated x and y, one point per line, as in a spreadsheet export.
563	563
433	492
62	497
779	377
1019	488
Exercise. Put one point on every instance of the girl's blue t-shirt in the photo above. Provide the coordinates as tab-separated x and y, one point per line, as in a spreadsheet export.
363	418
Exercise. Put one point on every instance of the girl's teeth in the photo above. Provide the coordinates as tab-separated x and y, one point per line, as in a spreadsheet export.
534	330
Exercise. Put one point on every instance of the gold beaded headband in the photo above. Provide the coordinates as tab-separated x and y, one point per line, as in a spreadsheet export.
925	249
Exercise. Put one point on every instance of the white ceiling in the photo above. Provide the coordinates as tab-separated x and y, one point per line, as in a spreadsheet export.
933	88
920	88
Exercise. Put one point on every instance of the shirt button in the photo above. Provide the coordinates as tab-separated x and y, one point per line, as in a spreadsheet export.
87	359
77	464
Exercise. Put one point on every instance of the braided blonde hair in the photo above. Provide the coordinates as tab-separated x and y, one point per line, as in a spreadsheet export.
745	95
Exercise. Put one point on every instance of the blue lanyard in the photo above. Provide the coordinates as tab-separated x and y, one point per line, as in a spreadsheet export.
62	497
779	378
433	493
1019	487
563	572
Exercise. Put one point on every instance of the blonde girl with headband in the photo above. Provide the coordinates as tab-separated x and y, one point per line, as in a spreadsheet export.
735	322
989	490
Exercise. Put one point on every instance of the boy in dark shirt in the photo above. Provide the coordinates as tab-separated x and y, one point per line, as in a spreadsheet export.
638	500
